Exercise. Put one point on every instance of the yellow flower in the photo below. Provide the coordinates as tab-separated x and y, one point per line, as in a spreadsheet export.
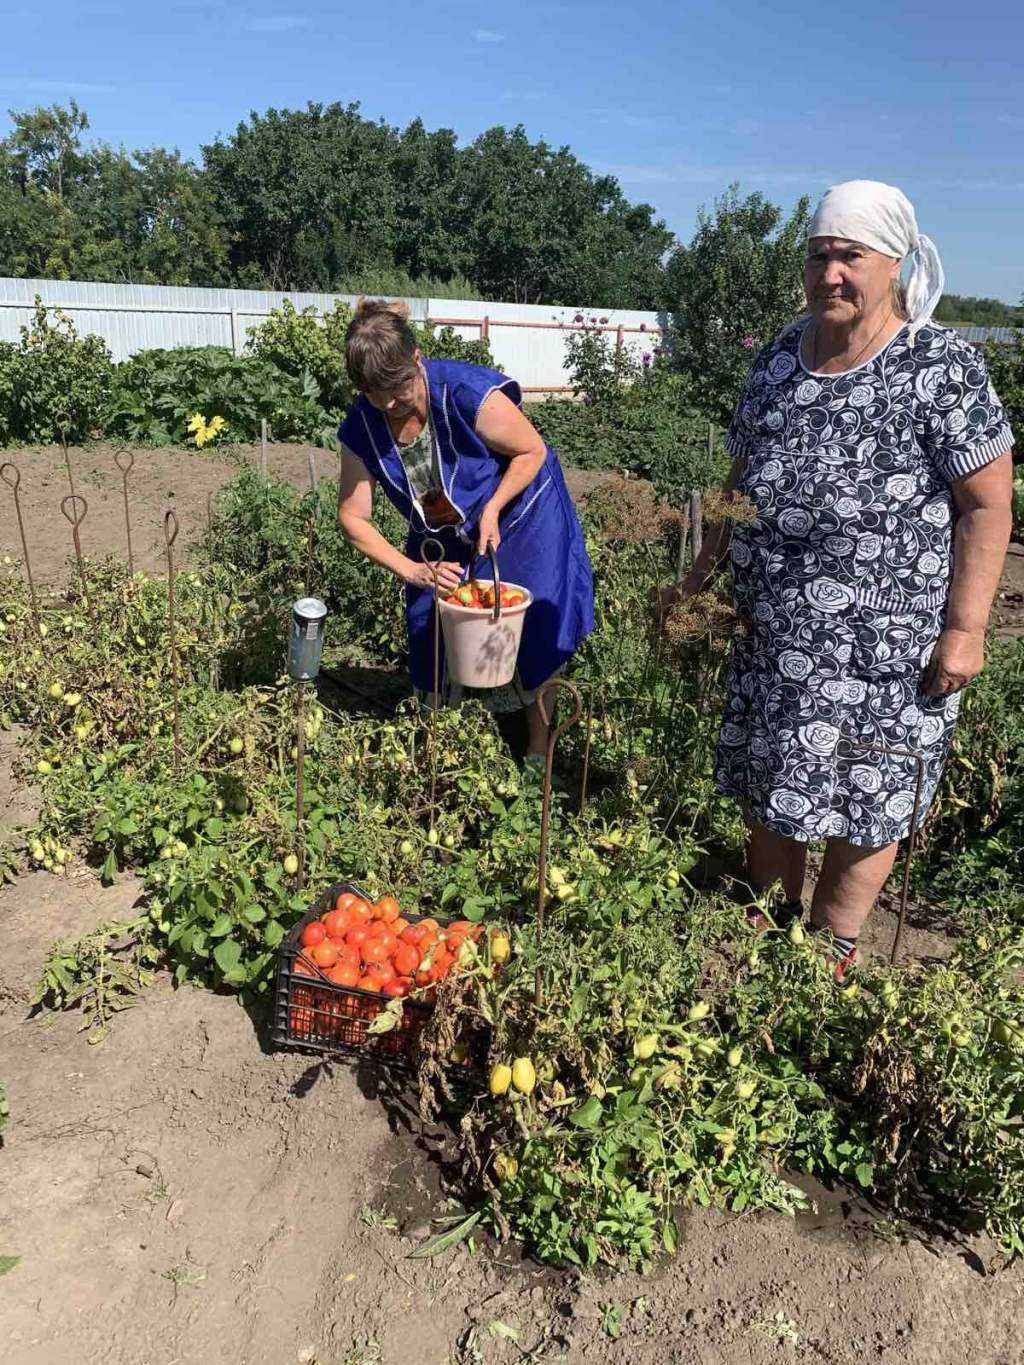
203	432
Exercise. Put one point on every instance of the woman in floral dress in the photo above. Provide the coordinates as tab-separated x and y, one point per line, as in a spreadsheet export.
878	458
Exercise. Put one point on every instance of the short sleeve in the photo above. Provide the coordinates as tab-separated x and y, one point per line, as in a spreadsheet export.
471	391
964	424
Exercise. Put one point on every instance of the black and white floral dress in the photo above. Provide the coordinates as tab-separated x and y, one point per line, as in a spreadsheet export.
844	577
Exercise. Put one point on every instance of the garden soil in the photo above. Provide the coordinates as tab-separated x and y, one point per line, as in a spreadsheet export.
179	1194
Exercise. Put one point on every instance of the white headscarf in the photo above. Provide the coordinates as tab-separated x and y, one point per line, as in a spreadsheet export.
882	217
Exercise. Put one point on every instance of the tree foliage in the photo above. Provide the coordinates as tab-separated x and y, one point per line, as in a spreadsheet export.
322	198
732	289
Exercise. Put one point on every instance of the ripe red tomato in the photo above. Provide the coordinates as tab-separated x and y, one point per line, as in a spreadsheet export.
313	934
398	987
345	900
399	926
415	934
348	953
303	967
375	950
425	976
357	935
371	981
386	969
344	974
359	911
325	954
406	958
336	923
441	964
387	909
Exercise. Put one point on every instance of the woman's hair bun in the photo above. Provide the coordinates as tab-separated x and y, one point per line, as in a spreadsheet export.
369	308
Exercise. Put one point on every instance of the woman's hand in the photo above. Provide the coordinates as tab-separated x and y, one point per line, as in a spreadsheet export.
488	531
958	656
449	575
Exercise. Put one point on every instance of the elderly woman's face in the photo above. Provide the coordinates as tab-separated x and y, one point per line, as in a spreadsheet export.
846	280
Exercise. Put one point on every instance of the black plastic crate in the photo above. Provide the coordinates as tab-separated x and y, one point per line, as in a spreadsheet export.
313	1013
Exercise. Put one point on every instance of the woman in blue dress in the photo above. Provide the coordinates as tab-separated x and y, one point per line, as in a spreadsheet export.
878	458
449	446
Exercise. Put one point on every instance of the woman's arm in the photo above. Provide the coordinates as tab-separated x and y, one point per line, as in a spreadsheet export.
984	521
505	430
355	517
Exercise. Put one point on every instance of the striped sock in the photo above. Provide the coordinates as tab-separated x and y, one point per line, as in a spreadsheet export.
839	945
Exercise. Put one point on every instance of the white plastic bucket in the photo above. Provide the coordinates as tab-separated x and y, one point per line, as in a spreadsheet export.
479	650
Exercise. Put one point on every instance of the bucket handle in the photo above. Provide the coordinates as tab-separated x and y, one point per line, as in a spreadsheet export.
496	609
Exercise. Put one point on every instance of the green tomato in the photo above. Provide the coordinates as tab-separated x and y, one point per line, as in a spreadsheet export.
700	1010
734	1056
235	745
745	1089
405	848
645	1048
432	836
290	865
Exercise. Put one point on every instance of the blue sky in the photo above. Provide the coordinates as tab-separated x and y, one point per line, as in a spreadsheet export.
676	99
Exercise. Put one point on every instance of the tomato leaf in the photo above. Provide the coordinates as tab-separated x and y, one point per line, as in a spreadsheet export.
588	1115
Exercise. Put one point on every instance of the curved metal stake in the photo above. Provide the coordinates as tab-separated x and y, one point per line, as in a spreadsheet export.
300	782
69	506
170	536
586	748
433	543
918	759
310	544
126	469
554	686
209	511
62	420
13	483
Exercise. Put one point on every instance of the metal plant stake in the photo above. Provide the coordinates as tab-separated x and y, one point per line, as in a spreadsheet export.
170	536
63	421
119	459
551	689
300	781
11	475
69	506
432	543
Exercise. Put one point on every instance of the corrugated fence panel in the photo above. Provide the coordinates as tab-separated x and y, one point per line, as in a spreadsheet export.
526	339
135	317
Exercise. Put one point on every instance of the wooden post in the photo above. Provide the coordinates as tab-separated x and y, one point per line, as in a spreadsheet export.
684	538
263	449
697	522
234	332
485	328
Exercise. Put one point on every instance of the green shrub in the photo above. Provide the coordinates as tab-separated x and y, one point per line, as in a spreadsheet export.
1006	370
156	392
635	416
53	378
304	342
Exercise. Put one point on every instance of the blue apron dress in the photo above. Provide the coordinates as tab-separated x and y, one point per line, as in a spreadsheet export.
541	547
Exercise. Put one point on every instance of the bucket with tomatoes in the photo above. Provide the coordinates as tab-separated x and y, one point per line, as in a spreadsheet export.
347	959
482	625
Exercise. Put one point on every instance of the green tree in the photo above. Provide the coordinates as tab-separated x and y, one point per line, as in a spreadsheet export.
731	290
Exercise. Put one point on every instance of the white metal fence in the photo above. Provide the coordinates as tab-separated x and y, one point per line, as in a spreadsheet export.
526	340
